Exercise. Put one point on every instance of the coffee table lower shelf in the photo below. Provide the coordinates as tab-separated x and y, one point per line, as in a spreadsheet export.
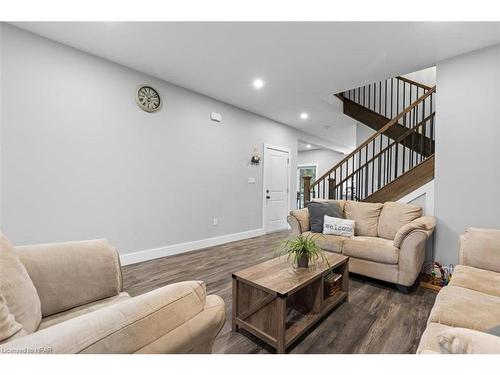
293	332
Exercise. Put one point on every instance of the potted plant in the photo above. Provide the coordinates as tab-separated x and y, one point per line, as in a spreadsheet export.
302	249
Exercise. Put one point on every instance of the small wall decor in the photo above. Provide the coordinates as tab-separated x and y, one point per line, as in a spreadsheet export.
148	98
217	117
255	160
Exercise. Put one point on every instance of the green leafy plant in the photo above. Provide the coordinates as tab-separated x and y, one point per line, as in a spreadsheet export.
302	246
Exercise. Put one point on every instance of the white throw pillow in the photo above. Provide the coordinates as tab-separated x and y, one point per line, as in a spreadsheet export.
338	227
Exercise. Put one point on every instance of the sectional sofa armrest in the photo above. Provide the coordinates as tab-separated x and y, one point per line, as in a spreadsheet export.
71	274
467	341
411	239
177	318
294	224
424	224
480	248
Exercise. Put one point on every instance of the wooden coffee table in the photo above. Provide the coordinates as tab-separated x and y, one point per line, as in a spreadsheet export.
278	302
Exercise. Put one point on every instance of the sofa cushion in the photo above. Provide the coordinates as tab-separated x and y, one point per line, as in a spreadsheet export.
365	215
302	217
480	248
17	288
8	325
466	308
371	248
476	279
317	212
328	242
81	310
393	216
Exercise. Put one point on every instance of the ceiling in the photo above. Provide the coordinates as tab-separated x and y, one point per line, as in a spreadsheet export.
301	63
305	146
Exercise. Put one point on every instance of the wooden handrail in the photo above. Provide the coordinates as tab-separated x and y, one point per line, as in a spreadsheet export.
395	120
421	85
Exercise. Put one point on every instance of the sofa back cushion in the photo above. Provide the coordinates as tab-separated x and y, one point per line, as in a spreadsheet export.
393	216
21	297
365	215
480	248
58	269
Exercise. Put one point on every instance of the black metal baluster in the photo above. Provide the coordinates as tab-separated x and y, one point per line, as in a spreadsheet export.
397	96
374	97
373	163
422	133
385	100
404	102
341	165
369	96
409	105
396	161
353	185
357	174
380	97
413	139
358	177
379	164
392	95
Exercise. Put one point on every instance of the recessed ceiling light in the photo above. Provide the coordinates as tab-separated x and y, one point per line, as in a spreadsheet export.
258	83
304	115
308	146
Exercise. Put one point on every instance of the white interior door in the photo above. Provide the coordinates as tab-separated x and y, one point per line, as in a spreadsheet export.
276	188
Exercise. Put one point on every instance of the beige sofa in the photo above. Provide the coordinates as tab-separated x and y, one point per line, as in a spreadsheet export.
389	242
68	298
470	304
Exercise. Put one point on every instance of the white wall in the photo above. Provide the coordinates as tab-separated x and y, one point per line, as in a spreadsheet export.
324	159
80	160
426	76
467	147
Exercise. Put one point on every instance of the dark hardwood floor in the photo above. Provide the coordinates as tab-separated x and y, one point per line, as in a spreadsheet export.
377	319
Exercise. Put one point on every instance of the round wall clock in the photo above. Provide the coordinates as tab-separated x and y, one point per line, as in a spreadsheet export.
148	98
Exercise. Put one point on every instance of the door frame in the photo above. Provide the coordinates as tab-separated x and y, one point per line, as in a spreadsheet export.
315	165
267	146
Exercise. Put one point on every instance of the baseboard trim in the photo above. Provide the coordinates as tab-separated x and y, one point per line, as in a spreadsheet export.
160	252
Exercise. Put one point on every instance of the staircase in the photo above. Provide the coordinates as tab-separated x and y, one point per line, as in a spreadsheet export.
398	158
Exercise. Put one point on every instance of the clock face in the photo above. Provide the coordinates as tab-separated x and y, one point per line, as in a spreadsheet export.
148	98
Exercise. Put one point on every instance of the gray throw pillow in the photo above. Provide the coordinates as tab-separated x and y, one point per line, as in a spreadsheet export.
317	212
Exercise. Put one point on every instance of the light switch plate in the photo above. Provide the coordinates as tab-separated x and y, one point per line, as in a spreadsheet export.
217	117
251	180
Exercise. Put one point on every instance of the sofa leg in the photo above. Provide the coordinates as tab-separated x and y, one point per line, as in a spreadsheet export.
403	289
